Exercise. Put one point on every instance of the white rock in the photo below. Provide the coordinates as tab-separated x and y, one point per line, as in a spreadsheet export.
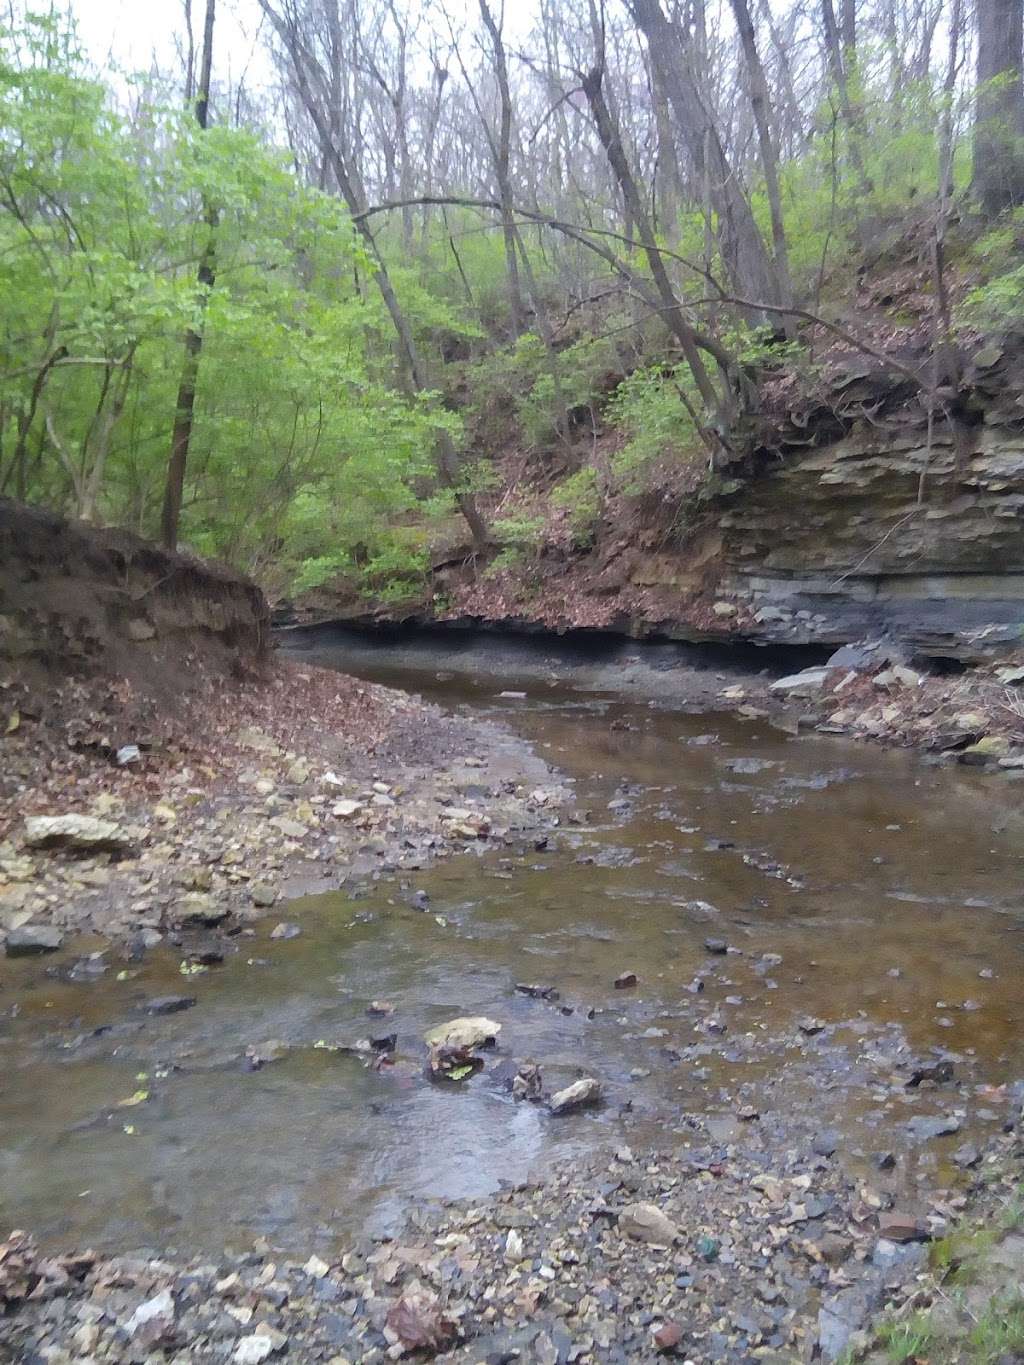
345	809
513	1247
576	1096
804	684
647	1223
315	1267
252	1350
73	831
160	1306
470	1031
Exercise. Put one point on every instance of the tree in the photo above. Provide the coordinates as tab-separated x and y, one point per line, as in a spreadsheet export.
181	434
999	112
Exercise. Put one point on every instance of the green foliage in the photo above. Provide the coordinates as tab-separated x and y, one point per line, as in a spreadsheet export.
906	1341
521	539
999	1331
580	496
303	453
648	409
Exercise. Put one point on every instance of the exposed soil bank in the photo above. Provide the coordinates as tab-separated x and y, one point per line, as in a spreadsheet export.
80	602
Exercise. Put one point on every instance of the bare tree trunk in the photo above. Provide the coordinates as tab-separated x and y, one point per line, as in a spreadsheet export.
769	159
999	115
837	63
721	407
181	435
502	160
742	247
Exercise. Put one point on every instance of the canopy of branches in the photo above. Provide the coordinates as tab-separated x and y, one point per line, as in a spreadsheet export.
443	237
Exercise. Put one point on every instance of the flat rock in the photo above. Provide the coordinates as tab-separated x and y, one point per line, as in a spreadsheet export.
469	1031
169	1004
579	1095
896	1226
925	1126
33	938
805	684
79	832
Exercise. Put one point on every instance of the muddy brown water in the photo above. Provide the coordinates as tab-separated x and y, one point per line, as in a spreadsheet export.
890	891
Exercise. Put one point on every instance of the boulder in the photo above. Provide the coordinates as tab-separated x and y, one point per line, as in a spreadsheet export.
81	833
647	1223
806	684
468	1032
33	938
579	1095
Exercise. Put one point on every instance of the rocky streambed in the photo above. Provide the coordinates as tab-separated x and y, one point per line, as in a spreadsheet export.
788	964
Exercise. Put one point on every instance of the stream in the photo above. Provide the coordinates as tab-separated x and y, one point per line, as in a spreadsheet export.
872	907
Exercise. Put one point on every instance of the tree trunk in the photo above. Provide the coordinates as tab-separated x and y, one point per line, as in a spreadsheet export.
743	250
999	115
502	162
718	406
769	158
181	435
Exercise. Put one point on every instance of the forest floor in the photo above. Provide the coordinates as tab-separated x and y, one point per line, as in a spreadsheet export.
189	824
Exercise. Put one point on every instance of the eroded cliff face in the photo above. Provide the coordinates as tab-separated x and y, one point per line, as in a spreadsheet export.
853	517
76	601
889	528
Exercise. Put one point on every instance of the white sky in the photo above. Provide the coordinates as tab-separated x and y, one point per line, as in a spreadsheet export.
126	34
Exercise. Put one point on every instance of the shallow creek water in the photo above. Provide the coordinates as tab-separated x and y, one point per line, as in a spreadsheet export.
891	892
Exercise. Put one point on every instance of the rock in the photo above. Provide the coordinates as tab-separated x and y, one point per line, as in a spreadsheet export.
469	1032
291	829
199	908
254	1349
345	809
514	1247
169	1004
33	938
924	1126
725	610
896	1226
316	1268
1010	676
160	1306
716	945
625	980
647	1223
263	895
298	772
380	1008
898	676
809	1025
260	1054
825	1142
806	684
536	992
966	1156
667	1337
79	832
286	930
528	1083
139	629
579	1095
988	750
127	754
840	1317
